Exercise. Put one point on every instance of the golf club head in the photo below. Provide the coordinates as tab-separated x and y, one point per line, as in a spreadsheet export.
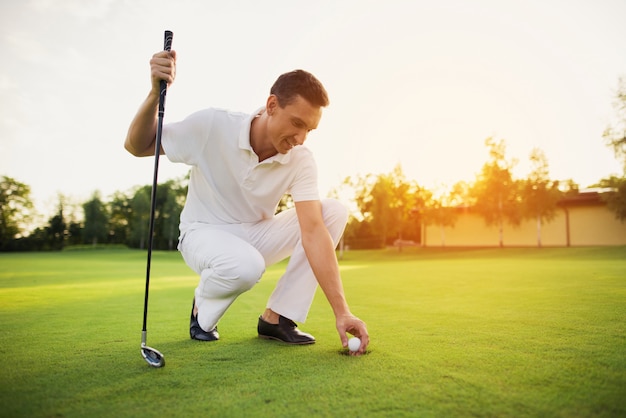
152	356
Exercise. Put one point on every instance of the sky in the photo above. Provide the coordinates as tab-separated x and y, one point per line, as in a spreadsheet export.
416	83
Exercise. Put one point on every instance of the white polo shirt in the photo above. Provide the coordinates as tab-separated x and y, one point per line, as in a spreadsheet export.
228	184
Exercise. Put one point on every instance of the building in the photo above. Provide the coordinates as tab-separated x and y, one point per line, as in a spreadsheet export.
581	220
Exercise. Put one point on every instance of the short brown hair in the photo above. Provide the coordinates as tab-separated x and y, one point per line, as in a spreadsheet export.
299	83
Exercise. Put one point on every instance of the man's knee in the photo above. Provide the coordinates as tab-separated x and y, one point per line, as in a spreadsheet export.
249	270
235	273
335	217
254	270
334	211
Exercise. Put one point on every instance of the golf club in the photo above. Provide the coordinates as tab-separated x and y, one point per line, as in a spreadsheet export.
152	356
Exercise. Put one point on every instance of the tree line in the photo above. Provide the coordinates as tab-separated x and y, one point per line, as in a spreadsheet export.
393	209
123	219
388	207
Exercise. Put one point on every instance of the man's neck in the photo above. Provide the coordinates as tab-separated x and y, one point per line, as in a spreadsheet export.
259	142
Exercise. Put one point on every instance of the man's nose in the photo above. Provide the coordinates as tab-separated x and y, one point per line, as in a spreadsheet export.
301	137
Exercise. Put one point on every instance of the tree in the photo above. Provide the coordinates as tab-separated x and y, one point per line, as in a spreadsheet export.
385	202
400	197
615	134
496	193
172	207
72	213
421	206
56	231
16	210
359	232
96	220
616	198
140	217
615	137
540	194
442	210
379	205
120	213
406	195
75	232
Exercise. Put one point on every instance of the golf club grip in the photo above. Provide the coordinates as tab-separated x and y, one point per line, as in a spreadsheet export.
167	46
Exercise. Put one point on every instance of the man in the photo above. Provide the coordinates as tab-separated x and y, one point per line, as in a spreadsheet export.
241	166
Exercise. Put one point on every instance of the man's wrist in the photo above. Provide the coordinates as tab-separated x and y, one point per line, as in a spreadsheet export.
341	311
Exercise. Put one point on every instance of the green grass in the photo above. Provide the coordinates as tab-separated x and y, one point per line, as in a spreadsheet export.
475	332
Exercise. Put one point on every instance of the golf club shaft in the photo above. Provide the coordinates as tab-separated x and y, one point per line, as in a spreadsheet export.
157	153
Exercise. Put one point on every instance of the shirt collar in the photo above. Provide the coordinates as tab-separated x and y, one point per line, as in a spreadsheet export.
244	140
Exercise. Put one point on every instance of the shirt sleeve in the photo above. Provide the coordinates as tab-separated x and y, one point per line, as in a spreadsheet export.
184	141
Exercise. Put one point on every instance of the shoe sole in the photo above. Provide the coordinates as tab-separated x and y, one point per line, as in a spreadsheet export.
205	339
268	337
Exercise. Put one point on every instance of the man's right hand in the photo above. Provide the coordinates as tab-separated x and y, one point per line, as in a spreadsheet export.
352	325
162	67
140	139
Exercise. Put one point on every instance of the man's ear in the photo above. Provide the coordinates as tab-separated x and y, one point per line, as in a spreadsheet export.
271	105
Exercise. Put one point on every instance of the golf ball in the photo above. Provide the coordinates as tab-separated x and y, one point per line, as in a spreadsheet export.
354	343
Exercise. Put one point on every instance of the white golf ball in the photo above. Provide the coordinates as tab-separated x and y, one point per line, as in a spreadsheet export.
354	343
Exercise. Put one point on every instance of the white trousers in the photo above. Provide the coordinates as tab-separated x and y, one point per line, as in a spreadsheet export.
231	259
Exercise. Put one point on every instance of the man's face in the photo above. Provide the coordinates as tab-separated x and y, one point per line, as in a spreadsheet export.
289	126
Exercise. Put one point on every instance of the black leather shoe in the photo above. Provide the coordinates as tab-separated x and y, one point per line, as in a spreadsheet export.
197	333
286	331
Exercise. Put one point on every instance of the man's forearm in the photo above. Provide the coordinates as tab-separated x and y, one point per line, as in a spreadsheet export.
320	252
141	134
